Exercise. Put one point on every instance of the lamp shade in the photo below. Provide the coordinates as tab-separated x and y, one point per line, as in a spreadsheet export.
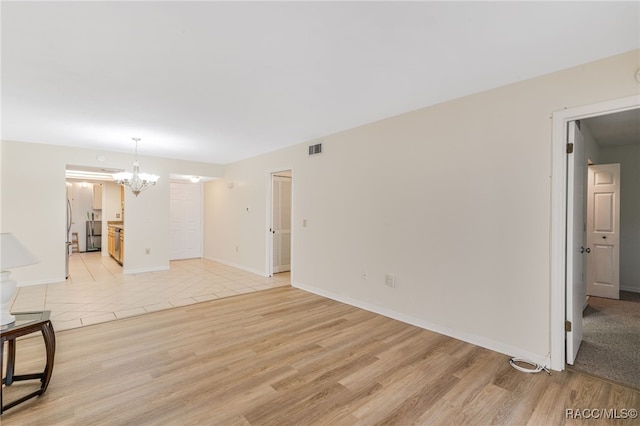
13	254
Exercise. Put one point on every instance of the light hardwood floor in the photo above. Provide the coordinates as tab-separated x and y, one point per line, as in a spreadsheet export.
287	357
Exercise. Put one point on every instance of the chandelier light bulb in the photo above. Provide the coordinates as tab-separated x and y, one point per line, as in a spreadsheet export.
136	182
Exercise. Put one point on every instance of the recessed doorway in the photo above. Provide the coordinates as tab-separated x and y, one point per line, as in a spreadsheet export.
280	243
560	233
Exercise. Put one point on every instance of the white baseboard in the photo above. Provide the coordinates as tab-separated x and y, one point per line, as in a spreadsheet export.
41	282
456	334
128	271
631	289
237	266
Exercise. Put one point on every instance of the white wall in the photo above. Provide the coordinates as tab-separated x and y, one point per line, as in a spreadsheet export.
33	205
112	207
629	158
454	200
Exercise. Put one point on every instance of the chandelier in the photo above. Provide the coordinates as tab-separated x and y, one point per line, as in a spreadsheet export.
136	181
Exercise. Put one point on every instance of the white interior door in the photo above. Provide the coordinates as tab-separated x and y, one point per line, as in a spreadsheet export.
185	241
576	288
281	222
603	231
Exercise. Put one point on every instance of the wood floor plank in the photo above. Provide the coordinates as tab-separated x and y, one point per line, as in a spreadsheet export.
287	357
523	399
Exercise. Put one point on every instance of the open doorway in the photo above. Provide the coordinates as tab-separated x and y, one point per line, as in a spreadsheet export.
607	137
281	183
93	201
562	305
610	330
617	141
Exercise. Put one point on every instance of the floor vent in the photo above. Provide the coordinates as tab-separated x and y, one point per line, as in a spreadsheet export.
315	149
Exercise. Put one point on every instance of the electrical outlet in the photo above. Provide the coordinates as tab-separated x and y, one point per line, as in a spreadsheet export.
364	275
147	251
390	281
237	249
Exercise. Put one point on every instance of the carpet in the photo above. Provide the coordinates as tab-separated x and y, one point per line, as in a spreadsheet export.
611	339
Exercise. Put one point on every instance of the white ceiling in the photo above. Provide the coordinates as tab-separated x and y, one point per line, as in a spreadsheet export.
223	81
621	128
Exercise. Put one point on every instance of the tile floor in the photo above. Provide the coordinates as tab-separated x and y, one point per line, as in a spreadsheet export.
98	291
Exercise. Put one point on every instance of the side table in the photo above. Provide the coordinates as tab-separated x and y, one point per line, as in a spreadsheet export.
27	323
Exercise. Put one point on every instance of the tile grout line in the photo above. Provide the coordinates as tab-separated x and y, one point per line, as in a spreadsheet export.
187	283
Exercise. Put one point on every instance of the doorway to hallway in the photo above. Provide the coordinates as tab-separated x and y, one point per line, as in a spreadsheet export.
561	305
280	224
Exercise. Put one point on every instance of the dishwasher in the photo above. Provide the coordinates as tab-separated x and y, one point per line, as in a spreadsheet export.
116	249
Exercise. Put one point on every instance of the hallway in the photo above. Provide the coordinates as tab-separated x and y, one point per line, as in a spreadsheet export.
97	290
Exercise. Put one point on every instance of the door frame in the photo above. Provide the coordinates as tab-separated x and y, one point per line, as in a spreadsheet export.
559	214
269	217
575	260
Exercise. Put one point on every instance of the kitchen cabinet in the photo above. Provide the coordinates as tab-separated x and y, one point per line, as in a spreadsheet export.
115	243
111	241
97	196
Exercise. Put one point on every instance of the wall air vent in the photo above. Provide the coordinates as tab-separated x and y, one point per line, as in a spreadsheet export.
315	149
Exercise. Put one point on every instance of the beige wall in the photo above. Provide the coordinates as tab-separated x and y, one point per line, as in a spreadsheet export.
454	200
236	222
34	206
592	150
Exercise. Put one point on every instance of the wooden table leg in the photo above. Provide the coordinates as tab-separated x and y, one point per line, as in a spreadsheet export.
42	324
1	373
50	344
11	362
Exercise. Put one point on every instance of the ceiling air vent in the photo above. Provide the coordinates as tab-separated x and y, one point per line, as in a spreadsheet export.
315	149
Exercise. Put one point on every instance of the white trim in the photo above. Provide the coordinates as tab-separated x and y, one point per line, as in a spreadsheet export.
41	282
293	220
630	289
237	266
559	212
268	267
201	185
437	328
127	271
268	202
